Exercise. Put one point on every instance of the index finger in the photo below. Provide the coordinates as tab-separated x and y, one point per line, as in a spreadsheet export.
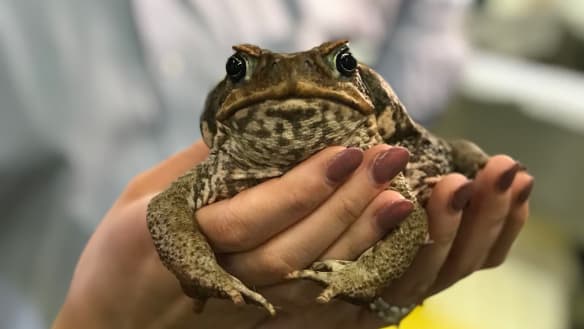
256	214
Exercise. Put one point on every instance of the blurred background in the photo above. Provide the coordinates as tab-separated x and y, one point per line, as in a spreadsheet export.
93	92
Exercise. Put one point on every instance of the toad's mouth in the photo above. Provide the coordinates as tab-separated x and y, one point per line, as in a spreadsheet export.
350	97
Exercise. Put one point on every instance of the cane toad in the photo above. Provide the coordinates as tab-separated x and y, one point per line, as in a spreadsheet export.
268	114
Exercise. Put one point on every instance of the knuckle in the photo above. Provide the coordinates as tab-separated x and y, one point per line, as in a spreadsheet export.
495	223
493	219
298	202
229	232
301	193
302	199
446	237
275	264
349	211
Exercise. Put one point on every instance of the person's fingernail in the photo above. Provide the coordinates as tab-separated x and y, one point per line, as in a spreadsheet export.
522	167
392	214
525	192
461	197
506	179
343	164
389	163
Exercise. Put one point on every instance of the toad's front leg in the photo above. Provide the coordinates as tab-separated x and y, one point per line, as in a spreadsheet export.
185	251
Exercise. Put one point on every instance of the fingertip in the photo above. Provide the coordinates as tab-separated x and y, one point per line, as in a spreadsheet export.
499	160
317	168
316	163
446	189
450	195
322	157
499	173
506	178
343	164
388	163
514	223
389	216
461	196
523	191
374	223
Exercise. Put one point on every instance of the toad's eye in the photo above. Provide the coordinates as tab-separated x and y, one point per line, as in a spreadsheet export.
235	67
346	63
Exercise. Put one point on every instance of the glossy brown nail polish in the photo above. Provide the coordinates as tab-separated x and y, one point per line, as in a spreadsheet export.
344	164
388	164
506	179
391	215
461	197
525	192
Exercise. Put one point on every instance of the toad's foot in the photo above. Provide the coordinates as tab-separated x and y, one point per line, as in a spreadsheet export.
433	180
329	265
223	285
342	279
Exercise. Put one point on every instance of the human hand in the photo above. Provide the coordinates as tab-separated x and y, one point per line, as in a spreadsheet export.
261	234
472	224
120	279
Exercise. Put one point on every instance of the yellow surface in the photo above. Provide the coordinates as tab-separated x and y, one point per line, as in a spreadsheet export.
531	290
423	319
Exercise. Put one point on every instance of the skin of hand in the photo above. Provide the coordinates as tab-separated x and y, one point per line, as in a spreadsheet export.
330	206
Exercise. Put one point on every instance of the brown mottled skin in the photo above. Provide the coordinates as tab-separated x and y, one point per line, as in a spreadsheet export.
286	108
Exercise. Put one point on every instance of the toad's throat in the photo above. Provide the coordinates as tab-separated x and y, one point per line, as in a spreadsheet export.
281	133
349	96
